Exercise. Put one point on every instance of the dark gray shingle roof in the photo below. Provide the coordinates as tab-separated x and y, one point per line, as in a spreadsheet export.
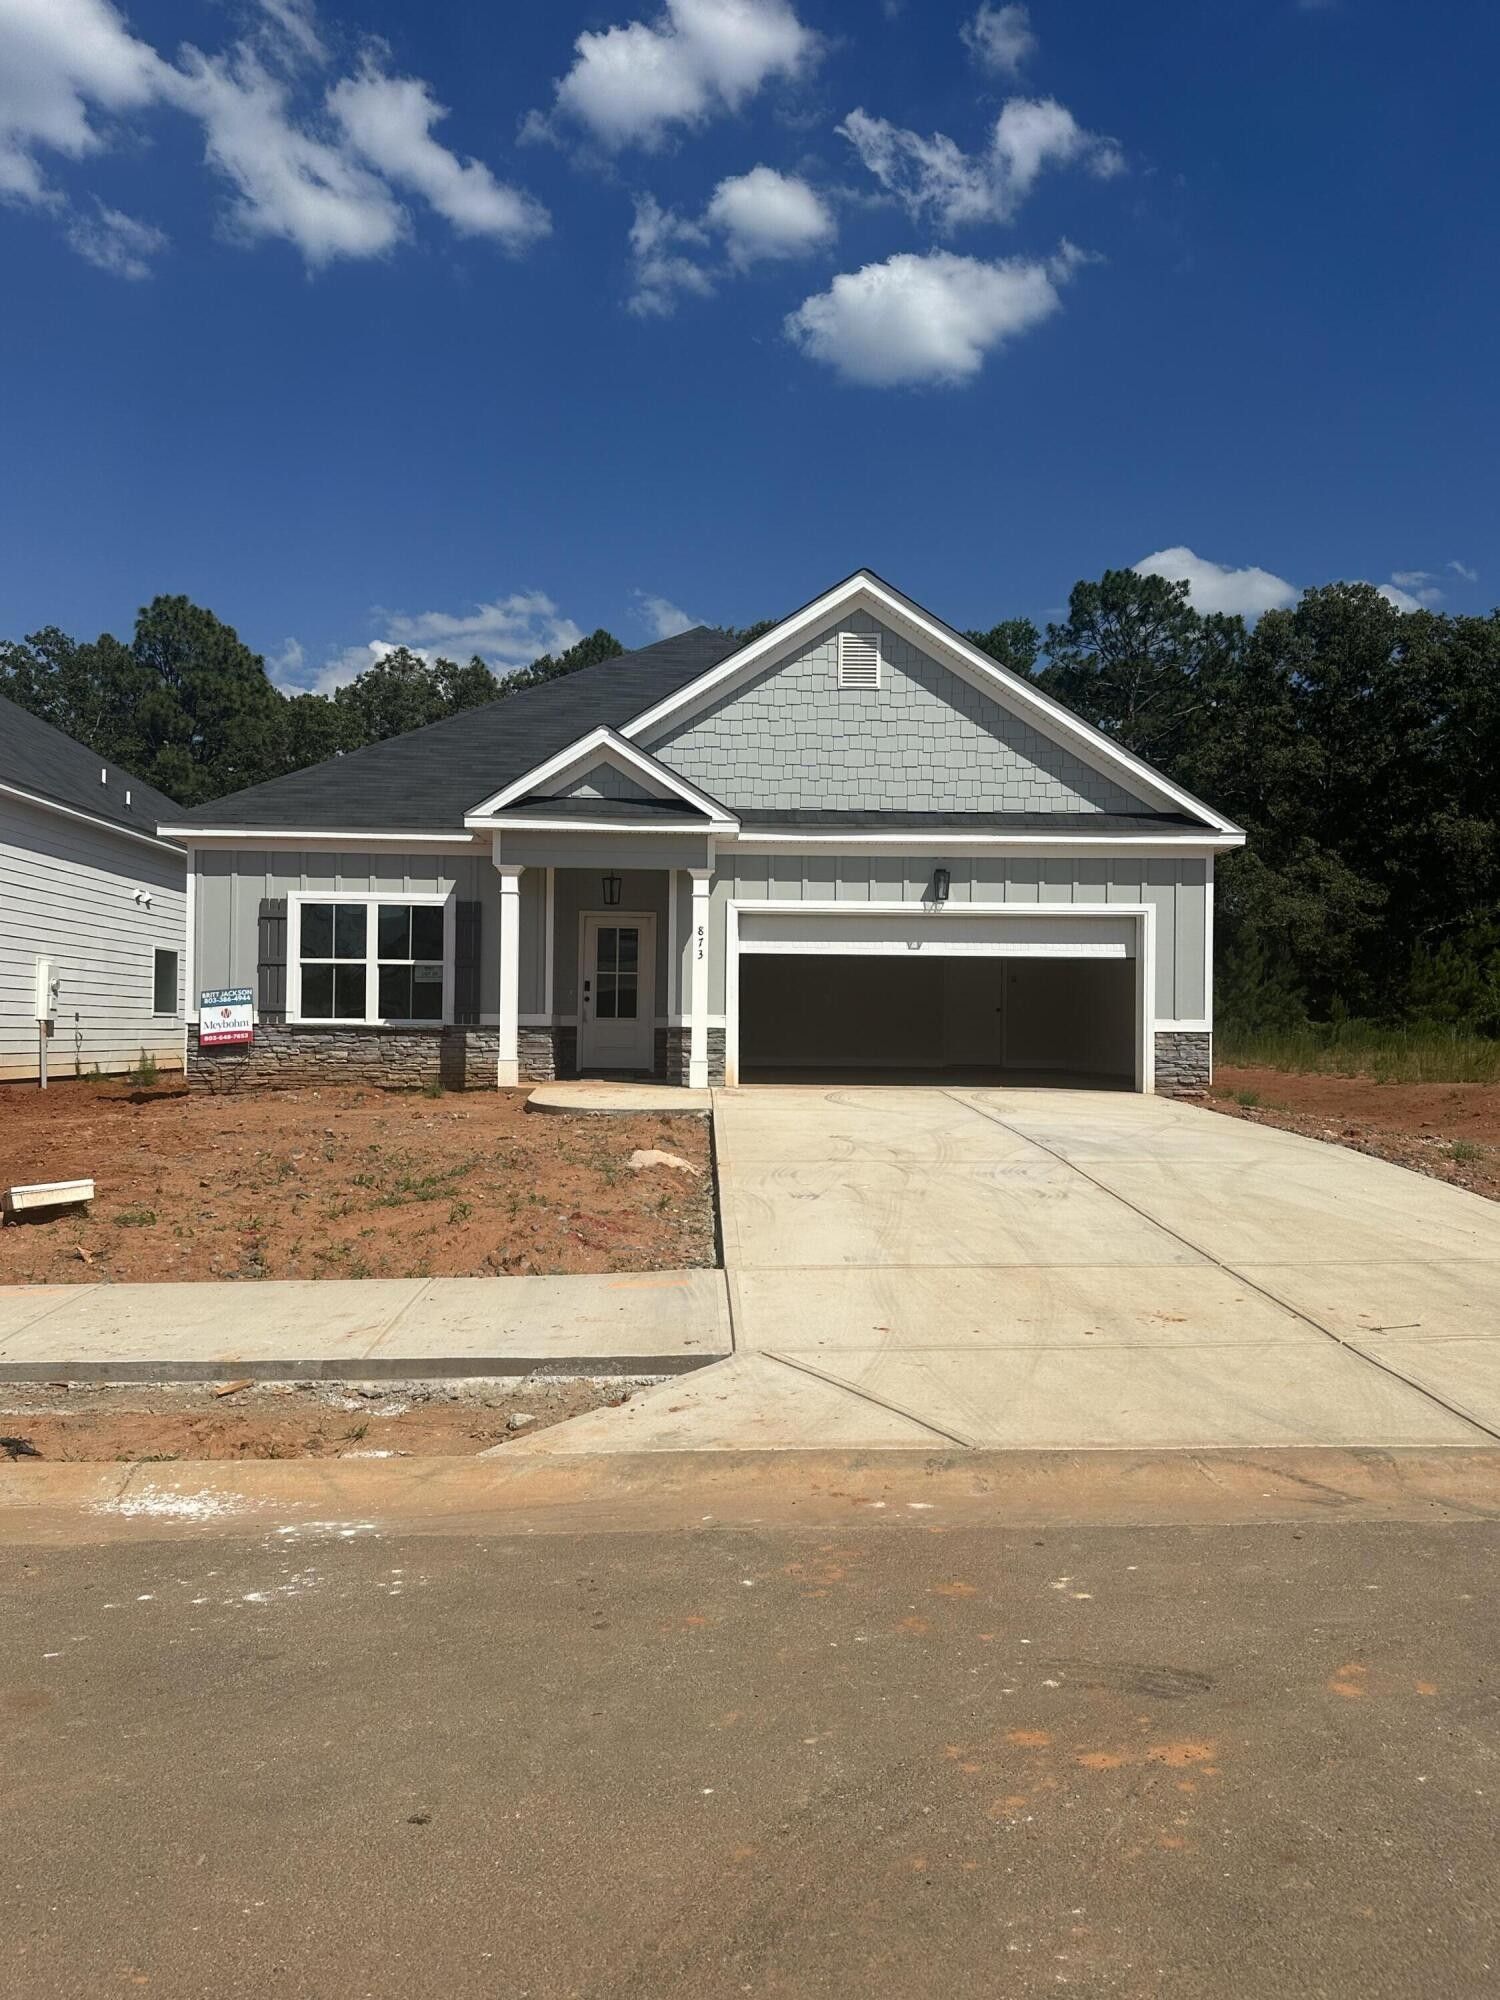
983	822
536	805
39	759
426	780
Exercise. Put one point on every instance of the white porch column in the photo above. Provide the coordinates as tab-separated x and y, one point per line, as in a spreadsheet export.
509	1067
697	995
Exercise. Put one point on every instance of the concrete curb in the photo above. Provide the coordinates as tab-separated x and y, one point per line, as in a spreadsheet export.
361	1368
812	1489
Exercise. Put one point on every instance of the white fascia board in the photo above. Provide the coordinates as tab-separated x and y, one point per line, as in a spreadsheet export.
90	819
1155	847
601	743
283	837
867	592
692	829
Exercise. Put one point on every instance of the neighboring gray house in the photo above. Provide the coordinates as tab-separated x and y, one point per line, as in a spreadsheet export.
856	845
89	888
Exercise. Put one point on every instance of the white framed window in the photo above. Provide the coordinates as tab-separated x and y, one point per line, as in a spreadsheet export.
384	961
163	981
859	660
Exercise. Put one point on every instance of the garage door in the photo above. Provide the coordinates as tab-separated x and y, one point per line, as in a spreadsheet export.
937	995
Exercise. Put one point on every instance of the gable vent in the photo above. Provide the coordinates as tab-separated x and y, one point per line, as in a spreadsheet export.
859	660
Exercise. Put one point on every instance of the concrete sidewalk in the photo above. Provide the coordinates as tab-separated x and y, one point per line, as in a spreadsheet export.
628	1323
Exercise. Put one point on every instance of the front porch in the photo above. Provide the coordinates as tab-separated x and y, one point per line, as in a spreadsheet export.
603	956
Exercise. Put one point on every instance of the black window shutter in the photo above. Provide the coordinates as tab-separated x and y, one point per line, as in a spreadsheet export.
466	964
270	969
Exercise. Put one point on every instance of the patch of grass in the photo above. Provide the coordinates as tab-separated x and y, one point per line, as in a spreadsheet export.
460	1212
1248	1098
1362	1048
135	1218
144	1073
1465	1152
434	1089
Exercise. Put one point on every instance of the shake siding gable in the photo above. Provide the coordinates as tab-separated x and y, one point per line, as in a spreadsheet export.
925	740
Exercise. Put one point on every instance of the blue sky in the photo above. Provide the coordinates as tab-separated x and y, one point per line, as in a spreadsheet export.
479	326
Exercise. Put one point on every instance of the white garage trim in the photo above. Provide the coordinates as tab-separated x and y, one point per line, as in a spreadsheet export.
835	930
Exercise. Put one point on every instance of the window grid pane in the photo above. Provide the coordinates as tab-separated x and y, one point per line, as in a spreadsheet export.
427	930
348	931
407	941
393	931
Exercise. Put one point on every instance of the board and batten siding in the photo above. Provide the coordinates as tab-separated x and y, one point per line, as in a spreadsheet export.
1177	890
230	883
72	891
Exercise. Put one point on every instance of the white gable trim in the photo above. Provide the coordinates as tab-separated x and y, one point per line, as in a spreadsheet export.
600	746
88	818
865	591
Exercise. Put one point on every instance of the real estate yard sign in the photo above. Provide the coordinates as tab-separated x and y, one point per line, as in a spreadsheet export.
226	1016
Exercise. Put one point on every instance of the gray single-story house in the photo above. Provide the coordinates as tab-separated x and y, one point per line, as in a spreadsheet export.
92	911
854	846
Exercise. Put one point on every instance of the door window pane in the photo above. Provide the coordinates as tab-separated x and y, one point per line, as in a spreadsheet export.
608	947
626	998
604	999
630	947
348	932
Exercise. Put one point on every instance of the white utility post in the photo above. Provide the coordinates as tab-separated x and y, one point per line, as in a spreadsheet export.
698	981
46	1014
509	1067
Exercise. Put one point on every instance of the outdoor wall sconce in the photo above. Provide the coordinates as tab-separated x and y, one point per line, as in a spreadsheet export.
611	891
942	881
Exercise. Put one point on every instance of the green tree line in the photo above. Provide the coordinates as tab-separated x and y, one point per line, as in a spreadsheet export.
1359	747
1357	744
188	707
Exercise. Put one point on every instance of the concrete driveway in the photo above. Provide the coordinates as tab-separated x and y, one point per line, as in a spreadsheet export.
1072	1269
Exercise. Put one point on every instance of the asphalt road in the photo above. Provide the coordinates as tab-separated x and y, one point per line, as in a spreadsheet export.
896	1758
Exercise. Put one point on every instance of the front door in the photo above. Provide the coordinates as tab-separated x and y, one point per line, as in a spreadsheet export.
617	997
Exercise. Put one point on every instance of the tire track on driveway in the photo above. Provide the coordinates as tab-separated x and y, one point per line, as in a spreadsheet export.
1297	1312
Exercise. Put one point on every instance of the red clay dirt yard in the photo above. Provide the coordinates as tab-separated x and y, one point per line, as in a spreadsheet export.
1448	1130
346	1182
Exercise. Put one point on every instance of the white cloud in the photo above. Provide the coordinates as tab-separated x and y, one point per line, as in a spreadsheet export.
935	180
62	62
291	30
1412	589
69	67
1463	570
999	39
506	632
115	242
929	319
1212	586
630	85
388	120
284	667
288	182
764	214
659	269
664	618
